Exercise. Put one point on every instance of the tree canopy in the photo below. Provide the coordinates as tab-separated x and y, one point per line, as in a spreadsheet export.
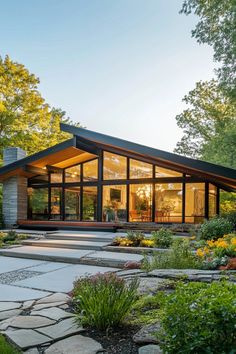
217	27
26	120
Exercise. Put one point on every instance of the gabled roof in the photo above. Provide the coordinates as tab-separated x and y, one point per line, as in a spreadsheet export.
214	172
84	140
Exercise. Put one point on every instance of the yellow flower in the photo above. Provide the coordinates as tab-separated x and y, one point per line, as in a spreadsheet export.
233	241
222	244
211	243
206	250
192	238
200	252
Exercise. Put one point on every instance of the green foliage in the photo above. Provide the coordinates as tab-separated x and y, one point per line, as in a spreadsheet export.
135	237
26	120
162	238
10	236
216	27
227	202
209	121
215	228
103	300
6	348
179	256
199	318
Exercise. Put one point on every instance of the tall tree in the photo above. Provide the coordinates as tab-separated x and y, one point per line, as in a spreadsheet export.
26	120
208	122
217	27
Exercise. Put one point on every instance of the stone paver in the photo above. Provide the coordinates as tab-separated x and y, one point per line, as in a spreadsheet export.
9	264
62	280
16	293
54	313
49	266
150	349
30	322
75	345
26	338
58	297
5	306
147	334
8	314
118	256
61	329
31	351
28	304
47	305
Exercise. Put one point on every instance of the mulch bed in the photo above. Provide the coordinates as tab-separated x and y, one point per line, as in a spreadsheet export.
118	341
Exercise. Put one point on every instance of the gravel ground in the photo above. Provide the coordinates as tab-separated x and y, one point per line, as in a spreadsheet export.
12	277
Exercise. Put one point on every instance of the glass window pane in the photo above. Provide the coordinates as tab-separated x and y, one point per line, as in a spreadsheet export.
90	203
38	203
212	200
56	177
140	202
56	203
72	174
164	172
114	166
90	170
140	169
114	203
195	202
168	199
72	203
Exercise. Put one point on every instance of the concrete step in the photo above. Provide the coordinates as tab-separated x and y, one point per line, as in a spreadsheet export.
71	244
73	256
80	236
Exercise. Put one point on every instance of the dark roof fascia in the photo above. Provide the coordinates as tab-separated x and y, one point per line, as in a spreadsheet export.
38	155
148	151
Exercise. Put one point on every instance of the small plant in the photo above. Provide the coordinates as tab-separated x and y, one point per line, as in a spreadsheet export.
103	300
10	236
162	238
147	243
180	256
199	318
215	228
136	237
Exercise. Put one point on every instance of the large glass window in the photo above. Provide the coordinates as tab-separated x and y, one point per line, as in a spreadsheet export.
72	174
114	166
195	202
72	203
212	200
90	203
140	202
56	176
164	172
56	203
114	203
90	170
168	200
38	203
140	169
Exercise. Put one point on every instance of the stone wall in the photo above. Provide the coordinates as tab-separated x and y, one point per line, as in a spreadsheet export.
14	191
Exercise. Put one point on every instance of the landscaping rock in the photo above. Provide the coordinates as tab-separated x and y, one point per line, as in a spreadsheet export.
28	304
132	265
8	314
75	345
150	349
150	285
61	329
30	322
26	338
147	334
57	297
31	351
5	306
54	313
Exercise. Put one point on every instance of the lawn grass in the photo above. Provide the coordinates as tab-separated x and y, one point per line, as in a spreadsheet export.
6	348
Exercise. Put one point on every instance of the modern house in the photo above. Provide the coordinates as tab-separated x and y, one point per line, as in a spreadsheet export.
100	179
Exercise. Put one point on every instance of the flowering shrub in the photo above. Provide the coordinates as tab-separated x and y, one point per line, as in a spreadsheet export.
199	318
162	238
133	239
217	253
147	243
103	300
215	228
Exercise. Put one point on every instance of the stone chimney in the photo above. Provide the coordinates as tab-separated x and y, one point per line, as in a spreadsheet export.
14	203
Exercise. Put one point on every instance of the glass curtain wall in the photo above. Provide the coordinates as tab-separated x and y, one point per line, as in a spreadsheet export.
89	211
38	203
72	203
168	202
140	169
140	202
114	203
56	200
194	202
114	166
212	201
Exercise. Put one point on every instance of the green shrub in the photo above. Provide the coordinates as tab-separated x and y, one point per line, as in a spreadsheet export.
231	217
162	238
215	228
135	237
11	236
103	300
180	256
199	318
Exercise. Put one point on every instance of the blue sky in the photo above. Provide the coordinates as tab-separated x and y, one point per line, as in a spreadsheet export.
120	67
